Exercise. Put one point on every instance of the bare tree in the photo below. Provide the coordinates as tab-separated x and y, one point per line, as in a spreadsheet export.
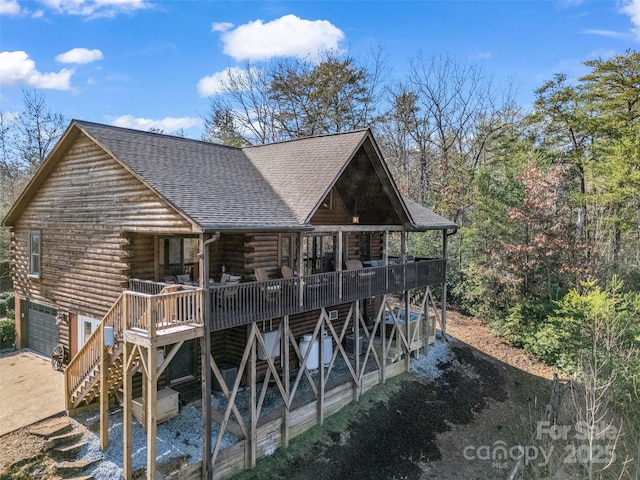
37	131
292	98
446	115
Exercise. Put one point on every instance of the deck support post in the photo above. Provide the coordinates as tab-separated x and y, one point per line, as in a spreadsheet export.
152	397
205	357
300	270
253	433
426	323
127	411
323	380
205	354
356	348
443	318
383	337
104	394
407	331
285	380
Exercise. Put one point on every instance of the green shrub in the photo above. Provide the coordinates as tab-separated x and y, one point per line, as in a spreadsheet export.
7	333
7	303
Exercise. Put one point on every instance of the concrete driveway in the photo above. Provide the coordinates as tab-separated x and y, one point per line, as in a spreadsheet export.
30	390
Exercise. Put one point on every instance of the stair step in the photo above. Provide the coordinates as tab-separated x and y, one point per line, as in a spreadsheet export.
75	467
84	477
52	428
68	451
58	440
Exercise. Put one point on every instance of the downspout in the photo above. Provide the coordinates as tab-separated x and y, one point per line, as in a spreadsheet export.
205	353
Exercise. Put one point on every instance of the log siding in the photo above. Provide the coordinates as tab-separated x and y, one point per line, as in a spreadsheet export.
85	211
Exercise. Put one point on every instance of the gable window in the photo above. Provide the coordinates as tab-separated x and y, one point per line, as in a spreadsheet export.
35	253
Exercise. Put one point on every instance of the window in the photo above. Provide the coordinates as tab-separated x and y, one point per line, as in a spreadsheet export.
35	253
178	255
318	254
328	201
86	326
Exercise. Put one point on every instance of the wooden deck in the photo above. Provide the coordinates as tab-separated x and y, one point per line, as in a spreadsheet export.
245	303
165	336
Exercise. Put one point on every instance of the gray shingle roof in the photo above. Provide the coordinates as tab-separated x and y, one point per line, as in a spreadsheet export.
214	185
266	187
425	219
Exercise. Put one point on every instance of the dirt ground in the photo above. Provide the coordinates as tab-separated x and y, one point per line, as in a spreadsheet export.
488	392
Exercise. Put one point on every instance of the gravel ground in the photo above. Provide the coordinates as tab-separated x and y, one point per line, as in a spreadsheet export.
179	439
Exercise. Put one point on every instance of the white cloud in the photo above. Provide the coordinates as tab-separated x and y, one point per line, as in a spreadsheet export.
604	33
80	55
221	26
167	124
217	83
9	7
285	36
632	8
9	118
482	56
96	8
16	68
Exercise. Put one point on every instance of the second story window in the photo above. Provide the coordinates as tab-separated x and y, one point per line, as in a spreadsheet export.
35	253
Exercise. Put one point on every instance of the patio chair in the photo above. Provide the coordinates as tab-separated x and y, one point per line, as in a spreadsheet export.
270	290
287	272
261	274
353	264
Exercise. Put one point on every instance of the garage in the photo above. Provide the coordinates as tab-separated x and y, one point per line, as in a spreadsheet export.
42	331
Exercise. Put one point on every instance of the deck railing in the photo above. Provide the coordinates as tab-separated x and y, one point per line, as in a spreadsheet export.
153	313
256	301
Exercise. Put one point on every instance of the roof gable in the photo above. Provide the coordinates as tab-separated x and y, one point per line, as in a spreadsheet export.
303	171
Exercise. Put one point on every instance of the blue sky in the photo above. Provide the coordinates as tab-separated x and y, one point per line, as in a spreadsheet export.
153	64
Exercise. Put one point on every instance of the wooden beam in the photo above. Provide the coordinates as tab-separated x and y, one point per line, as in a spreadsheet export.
151	407
285	377
356	349
323	314
443	317
127	425
205	358
253	432
232	397
104	393
407	329
355	228
227	393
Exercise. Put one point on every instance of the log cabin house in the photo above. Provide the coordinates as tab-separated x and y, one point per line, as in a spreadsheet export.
148	259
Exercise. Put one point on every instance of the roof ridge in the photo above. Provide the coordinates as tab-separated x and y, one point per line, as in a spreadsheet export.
320	135
148	133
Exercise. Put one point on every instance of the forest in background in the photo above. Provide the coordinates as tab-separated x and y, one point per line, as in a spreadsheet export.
547	198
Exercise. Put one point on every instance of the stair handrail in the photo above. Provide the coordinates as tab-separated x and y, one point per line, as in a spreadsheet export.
88	357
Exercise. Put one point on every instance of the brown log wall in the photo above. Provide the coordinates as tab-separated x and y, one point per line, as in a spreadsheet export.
83	210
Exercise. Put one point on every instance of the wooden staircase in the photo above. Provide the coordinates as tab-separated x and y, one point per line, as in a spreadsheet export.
89	390
82	375
146	315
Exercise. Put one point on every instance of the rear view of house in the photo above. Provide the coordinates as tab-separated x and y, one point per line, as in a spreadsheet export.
149	259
